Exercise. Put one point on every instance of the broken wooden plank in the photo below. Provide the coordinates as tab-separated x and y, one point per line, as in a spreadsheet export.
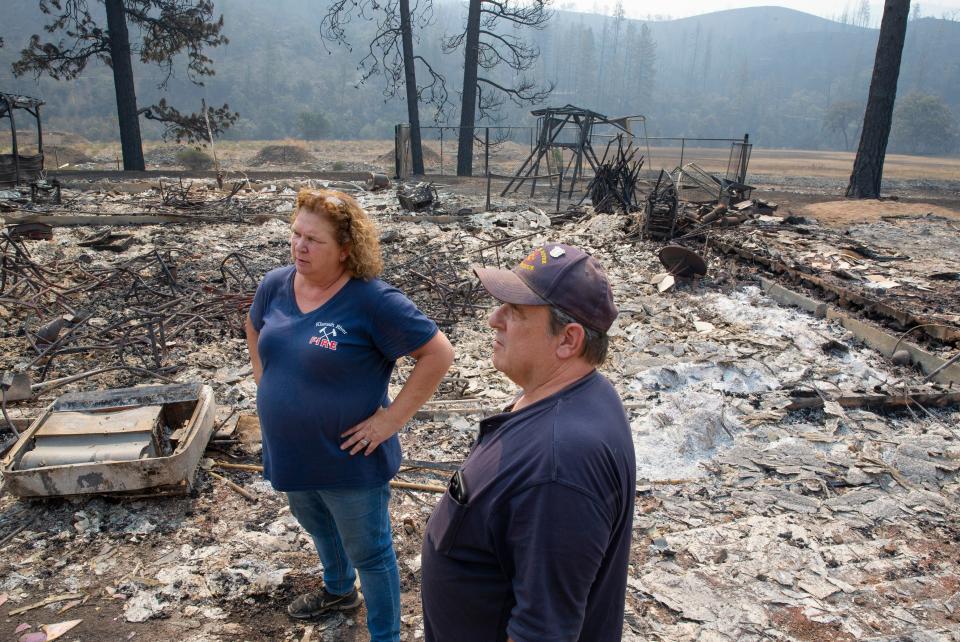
53	599
430	488
70	220
237	488
443	466
881	402
250	467
426	488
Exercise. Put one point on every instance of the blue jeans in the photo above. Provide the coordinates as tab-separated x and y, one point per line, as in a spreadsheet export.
351	529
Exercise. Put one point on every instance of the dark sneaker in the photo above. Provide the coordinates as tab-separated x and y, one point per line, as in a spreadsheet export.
320	602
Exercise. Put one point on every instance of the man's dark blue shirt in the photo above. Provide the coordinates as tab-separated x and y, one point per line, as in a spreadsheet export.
538	548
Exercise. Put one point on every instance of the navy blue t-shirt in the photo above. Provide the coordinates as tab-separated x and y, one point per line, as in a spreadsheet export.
539	550
326	371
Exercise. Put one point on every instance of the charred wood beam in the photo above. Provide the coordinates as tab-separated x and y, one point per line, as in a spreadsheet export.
934	328
879	401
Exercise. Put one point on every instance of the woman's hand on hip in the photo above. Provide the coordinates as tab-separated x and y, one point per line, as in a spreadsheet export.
369	433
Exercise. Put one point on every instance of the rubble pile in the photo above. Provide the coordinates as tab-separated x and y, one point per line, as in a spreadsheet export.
615	185
70	314
884	269
793	484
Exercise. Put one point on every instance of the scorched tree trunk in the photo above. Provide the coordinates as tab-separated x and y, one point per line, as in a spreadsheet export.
868	166
410	79
123	84
468	109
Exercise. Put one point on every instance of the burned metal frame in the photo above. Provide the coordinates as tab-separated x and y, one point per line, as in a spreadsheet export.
660	210
442	283
187	411
436	280
141	306
551	121
13	166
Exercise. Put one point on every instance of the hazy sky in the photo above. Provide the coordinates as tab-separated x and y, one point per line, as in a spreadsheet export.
682	8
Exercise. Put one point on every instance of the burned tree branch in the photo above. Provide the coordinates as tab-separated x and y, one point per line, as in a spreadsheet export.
191	128
168	29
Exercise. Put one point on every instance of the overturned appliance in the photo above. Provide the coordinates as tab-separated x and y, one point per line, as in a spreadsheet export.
113	441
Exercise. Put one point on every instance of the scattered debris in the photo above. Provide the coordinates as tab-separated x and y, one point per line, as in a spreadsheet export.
790	478
417	197
614	187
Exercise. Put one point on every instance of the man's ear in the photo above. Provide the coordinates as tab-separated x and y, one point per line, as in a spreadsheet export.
572	338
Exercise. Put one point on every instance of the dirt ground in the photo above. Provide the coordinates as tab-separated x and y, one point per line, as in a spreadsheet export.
847	212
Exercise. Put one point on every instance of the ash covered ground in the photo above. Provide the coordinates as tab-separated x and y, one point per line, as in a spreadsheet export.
755	519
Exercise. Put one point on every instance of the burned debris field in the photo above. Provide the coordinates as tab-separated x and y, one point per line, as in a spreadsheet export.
697	285
794	409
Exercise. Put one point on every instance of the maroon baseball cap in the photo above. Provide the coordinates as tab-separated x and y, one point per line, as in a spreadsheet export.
559	275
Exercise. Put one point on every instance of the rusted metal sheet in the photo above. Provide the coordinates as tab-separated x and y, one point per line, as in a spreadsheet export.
76	437
185	412
32	231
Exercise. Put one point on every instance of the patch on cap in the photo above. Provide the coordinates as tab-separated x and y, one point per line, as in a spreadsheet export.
557	252
530	263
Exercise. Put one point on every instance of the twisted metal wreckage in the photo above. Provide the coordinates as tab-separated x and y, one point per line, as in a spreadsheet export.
79	319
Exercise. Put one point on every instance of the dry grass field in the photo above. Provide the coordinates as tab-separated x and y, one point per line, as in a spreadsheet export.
504	159
822	164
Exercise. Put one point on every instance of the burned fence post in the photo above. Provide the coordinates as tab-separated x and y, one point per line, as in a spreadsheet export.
486	163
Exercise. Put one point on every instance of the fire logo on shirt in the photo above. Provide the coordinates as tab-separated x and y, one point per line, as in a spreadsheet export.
325	336
323	342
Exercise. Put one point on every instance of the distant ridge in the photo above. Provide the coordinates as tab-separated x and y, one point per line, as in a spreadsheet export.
764	18
770	71
767	18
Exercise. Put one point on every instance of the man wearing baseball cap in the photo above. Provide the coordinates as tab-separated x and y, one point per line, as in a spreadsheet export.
532	539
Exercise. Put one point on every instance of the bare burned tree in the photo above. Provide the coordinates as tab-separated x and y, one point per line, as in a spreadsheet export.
390	54
868	166
167	29
487	47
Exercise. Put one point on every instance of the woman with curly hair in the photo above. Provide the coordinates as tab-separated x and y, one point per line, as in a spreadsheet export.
324	335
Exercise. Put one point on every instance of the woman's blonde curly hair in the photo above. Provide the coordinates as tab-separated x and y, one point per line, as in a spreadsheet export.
353	228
